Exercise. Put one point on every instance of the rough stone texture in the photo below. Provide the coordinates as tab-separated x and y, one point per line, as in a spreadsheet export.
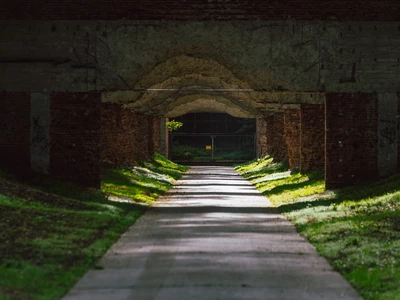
368	10
15	131
75	137
312	137
387	133
286	57
293	137
351	138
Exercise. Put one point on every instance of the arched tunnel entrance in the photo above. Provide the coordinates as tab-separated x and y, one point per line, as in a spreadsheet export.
204	92
212	138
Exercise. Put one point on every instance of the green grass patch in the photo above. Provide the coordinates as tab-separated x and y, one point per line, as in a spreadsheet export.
52	232
356	228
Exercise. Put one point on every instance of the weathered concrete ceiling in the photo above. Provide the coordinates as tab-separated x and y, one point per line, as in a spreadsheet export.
147	65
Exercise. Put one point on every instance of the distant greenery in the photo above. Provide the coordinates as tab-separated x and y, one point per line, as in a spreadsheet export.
186	152
173	125
52	232
356	228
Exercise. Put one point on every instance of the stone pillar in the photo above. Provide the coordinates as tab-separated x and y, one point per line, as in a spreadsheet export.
15	131
292	137
351	139
387	133
312	137
75	137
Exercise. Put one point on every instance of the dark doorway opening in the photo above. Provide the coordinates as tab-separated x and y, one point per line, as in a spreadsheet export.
213	138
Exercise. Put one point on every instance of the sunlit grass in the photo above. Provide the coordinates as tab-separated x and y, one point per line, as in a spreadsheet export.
52	232
356	228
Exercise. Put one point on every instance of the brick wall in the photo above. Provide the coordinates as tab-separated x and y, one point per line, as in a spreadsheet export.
351	138
117	135
15	131
126	136
75	137
269	133
293	136
156	135
278	141
312	137
339	10
263	137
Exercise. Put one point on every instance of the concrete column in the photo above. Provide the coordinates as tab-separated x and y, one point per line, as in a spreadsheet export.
351	139
387	133
40	133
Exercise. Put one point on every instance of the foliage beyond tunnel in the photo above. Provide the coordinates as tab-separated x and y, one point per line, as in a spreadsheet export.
356	228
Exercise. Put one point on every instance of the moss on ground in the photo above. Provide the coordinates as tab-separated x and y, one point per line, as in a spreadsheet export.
356	228
52	232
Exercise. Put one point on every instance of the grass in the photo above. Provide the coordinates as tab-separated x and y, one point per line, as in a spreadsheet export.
356	228
52	232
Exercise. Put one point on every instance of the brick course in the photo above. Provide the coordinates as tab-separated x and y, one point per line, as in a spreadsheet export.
338	10
277	141
312	137
263	137
293	137
75	137
351	138
126	136
15	131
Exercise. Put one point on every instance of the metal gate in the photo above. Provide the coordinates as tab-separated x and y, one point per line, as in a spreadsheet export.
211	147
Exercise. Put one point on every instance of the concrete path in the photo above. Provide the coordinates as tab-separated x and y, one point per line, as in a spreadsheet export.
212	237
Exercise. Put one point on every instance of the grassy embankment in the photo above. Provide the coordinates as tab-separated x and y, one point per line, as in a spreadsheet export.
356	228
52	232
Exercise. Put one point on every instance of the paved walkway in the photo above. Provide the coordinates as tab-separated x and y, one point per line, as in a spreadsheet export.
212	237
